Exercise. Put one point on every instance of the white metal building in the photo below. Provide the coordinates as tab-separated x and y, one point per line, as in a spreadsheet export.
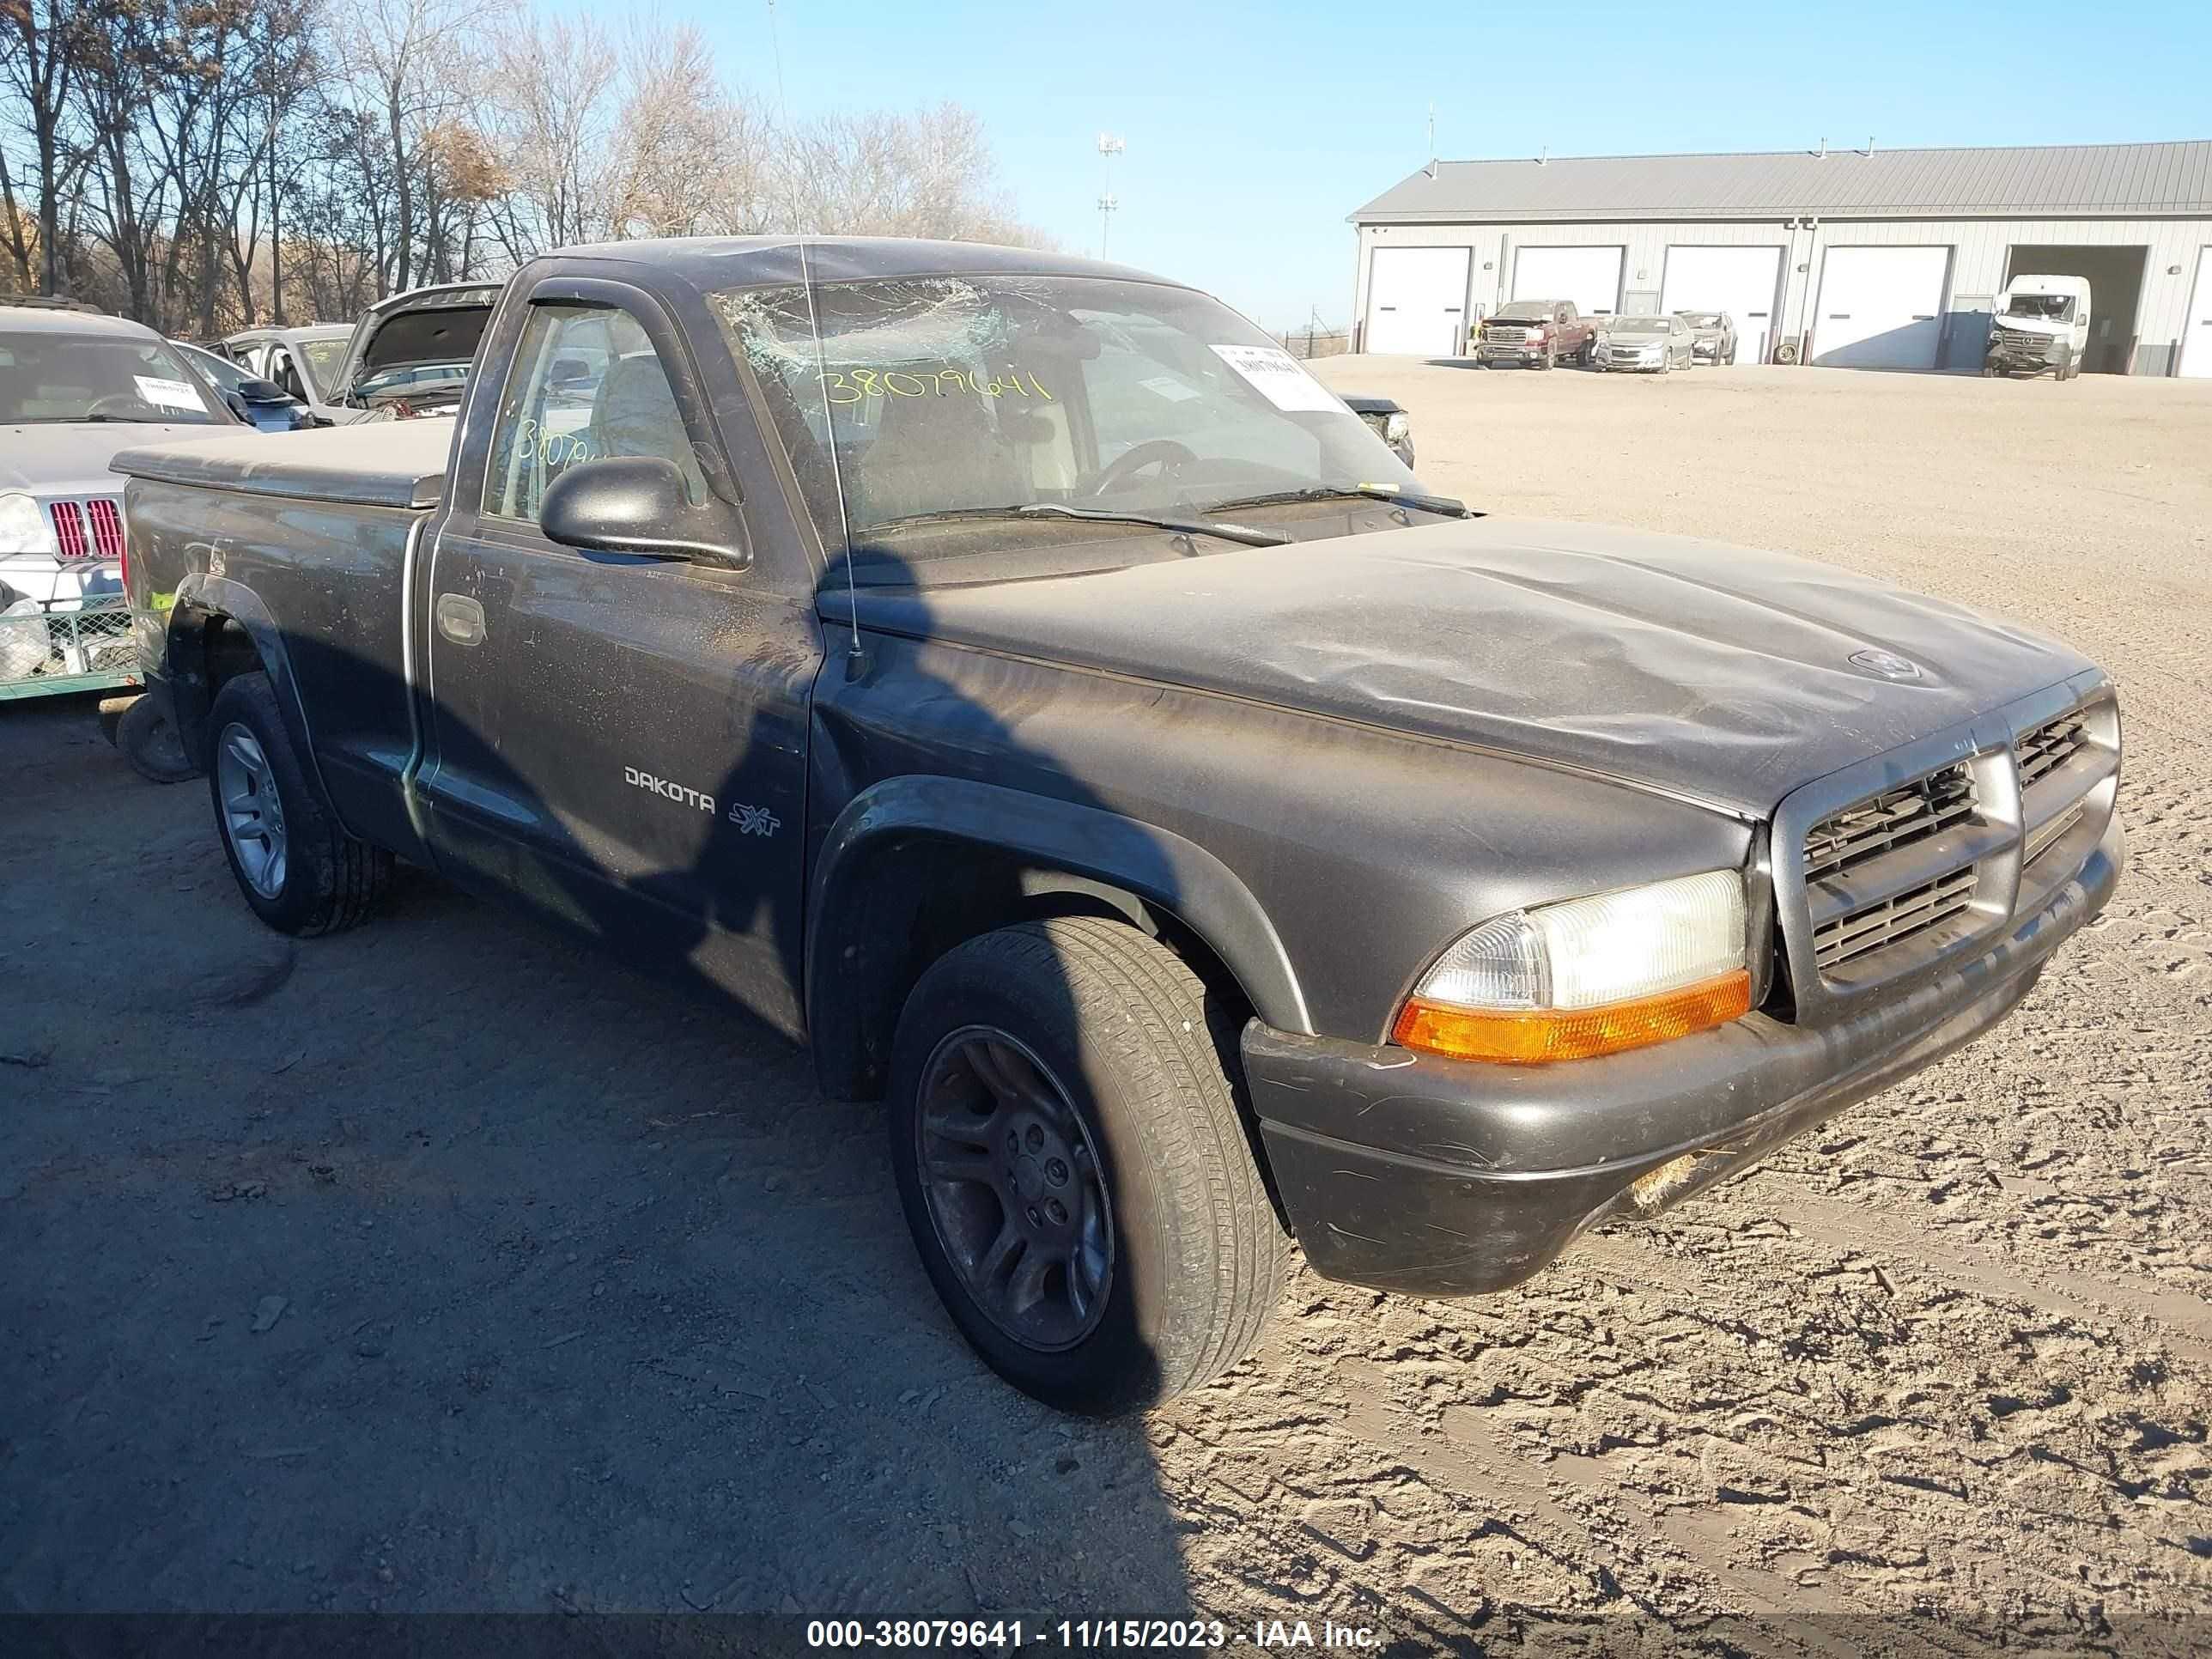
1856	258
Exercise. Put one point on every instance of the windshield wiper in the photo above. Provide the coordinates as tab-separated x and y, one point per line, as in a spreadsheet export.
1410	498
1227	533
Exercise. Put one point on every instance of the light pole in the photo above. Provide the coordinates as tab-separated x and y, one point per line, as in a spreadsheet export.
1109	146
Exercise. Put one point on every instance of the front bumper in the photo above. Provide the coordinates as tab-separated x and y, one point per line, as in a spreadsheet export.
1509	354
1444	1177
1628	365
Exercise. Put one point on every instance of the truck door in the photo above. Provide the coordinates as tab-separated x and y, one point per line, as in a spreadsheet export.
620	739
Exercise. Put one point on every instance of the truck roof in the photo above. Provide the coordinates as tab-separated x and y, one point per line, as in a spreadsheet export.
374	464
713	262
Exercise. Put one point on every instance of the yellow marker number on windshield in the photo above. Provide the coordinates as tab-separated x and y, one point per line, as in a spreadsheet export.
846	386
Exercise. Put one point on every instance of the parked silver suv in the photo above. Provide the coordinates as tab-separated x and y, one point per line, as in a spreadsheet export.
76	386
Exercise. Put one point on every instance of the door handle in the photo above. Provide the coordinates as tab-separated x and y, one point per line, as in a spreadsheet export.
460	619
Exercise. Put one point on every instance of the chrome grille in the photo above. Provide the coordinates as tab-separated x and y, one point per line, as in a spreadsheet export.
2048	747
1895	920
1894	819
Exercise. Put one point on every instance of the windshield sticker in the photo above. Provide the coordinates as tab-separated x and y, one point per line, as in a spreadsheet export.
1167	386
168	394
854	385
1278	377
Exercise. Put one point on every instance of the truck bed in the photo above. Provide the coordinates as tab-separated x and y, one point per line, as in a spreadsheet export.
378	463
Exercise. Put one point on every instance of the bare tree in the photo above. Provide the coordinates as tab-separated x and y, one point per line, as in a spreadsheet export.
694	158
201	163
551	128
46	39
929	173
416	64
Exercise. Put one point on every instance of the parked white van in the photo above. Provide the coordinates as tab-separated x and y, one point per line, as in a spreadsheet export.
2041	322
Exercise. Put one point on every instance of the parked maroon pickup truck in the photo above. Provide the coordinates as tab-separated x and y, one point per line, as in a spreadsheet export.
1536	334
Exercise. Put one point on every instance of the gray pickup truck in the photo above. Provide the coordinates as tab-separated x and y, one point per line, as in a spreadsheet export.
1016	678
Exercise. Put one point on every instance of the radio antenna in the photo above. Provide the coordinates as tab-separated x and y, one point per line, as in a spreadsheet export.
854	659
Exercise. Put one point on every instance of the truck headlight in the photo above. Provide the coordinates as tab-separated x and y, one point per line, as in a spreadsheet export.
1590	976
23	528
1396	428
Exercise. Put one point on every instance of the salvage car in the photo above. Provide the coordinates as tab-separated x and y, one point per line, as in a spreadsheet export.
2040	323
262	405
1712	336
410	354
76	386
1185	837
1388	421
304	362
1535	334
1646	346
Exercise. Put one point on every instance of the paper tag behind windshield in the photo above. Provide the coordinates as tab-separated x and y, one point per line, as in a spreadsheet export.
166	394
1279	377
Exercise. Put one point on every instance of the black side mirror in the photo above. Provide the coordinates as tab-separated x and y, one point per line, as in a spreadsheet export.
235	403
263	392
632	504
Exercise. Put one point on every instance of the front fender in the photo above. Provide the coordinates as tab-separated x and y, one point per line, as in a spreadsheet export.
845	905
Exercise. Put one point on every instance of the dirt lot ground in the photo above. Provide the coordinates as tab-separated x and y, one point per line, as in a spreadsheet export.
442	1265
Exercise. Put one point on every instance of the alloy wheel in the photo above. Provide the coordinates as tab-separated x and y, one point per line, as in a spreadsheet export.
252	811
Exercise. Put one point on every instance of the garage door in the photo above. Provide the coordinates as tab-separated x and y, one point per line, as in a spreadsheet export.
1417	299
1740	280
1590	276
1881	307
2196	332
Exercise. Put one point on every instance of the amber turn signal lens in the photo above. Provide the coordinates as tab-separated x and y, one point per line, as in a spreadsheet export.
1537	1036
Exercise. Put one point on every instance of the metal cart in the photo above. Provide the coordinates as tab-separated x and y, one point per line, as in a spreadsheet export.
52	646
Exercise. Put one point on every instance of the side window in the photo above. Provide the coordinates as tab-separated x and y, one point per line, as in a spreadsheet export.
585	385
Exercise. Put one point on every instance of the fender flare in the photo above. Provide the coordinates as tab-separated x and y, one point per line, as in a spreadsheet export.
1088	843
201	596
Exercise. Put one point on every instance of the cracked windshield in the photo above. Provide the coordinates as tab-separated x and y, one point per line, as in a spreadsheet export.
962	416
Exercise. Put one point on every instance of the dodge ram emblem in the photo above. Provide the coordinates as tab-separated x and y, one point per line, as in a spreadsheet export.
1887	663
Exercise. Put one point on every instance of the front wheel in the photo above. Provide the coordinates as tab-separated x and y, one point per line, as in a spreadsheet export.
294	863
1073	1168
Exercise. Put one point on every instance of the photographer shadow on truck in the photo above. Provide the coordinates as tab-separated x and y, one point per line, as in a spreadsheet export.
993	944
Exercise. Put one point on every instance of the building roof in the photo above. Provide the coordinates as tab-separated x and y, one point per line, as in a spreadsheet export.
2044	180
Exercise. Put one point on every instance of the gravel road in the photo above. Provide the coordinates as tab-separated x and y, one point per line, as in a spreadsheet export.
441	1265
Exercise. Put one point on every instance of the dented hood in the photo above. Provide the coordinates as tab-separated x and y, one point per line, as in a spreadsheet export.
1714	673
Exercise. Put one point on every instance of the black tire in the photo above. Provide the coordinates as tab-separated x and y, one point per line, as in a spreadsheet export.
112	709
1119	1024
330	881
151	743
1548	360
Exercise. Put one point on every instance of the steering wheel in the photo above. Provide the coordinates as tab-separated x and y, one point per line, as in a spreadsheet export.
1153	452
117	403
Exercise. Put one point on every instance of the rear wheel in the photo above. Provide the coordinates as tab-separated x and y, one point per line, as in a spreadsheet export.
295	865
1073	1169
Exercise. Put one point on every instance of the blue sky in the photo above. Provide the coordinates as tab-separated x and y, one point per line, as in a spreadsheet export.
1252	132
